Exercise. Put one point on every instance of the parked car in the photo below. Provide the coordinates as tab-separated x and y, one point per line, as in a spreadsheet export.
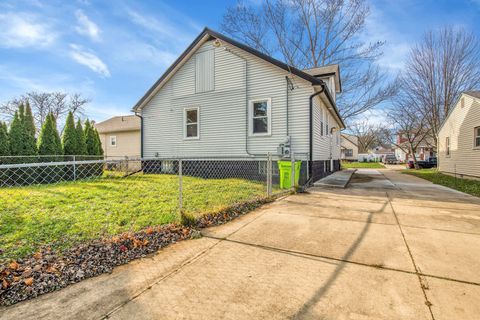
430	163
390	159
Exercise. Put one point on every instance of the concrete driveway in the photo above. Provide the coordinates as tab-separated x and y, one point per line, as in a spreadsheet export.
390	246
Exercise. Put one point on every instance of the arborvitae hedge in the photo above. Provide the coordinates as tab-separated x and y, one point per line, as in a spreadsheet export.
98	143
82	144
16	136
49	142
69	137
30	143
4	140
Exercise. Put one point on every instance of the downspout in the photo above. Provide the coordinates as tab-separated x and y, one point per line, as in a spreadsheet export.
310	167
141	134
286	124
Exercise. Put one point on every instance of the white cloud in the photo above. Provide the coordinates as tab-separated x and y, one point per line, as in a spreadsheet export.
86	26
89	59
19	30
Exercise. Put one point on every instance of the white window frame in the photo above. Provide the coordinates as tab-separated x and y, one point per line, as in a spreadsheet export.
113	138
476	135
447	146
197	137
269	117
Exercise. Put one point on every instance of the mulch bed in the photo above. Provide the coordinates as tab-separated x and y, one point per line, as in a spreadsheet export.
48	270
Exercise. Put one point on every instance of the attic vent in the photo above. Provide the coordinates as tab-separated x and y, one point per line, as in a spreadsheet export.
204	71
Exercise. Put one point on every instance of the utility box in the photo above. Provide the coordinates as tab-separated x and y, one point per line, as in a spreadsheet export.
285	169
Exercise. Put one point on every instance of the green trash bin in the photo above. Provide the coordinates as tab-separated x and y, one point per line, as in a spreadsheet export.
285	169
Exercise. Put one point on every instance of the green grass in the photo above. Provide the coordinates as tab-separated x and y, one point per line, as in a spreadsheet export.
65	213
362	165
465	185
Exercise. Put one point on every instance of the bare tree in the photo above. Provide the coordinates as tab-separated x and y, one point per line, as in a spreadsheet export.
314	33
408	128
441	66
369	135
42	103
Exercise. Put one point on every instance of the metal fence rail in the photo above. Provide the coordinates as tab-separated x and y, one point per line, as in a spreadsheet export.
61	200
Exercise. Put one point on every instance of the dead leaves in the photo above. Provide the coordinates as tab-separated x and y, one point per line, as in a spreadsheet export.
28	281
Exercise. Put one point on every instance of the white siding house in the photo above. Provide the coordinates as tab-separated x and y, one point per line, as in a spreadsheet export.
349	147
222	98
459	138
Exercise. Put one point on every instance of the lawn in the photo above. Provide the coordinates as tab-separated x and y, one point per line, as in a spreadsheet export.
362	165
465	185
69	212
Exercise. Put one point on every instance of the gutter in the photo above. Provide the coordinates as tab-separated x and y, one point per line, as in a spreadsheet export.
141	134
311	127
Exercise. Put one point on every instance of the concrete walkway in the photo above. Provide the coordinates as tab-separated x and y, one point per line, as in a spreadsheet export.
390	246
338	179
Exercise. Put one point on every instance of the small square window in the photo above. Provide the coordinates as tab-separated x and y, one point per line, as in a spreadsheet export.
113	141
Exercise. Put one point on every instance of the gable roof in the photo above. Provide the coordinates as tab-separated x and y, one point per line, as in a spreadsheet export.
119	124
475	94
208	34
325	71
349	137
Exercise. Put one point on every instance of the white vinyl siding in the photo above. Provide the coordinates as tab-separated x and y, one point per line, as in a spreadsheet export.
239	77
459	128
205	71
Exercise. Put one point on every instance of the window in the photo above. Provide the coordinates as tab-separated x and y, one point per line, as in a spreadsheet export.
447	146
321	121
349	152
260	117
477	137
113	141
192	123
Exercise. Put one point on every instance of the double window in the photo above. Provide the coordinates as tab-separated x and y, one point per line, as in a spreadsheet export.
349	152
260	118
476	142
191	120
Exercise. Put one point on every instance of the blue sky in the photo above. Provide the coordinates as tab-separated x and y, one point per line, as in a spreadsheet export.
113	51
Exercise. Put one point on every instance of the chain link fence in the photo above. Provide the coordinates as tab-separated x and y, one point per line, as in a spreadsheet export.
60	201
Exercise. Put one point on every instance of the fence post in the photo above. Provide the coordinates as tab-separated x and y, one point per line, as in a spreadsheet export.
180	186
269	174
74	169
293	171
126	165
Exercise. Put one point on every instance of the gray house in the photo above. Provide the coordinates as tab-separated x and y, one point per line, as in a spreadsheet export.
223	98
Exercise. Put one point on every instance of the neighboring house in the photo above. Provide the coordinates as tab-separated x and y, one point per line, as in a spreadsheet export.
425	149
349	147
221	97
459	138
120	136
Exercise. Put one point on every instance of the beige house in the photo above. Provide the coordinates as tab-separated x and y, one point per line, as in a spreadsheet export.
459	138
349	147
120	136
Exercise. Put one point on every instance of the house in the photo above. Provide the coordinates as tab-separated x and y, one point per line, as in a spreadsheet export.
120	136
223	98
459	138
349	147
424	151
